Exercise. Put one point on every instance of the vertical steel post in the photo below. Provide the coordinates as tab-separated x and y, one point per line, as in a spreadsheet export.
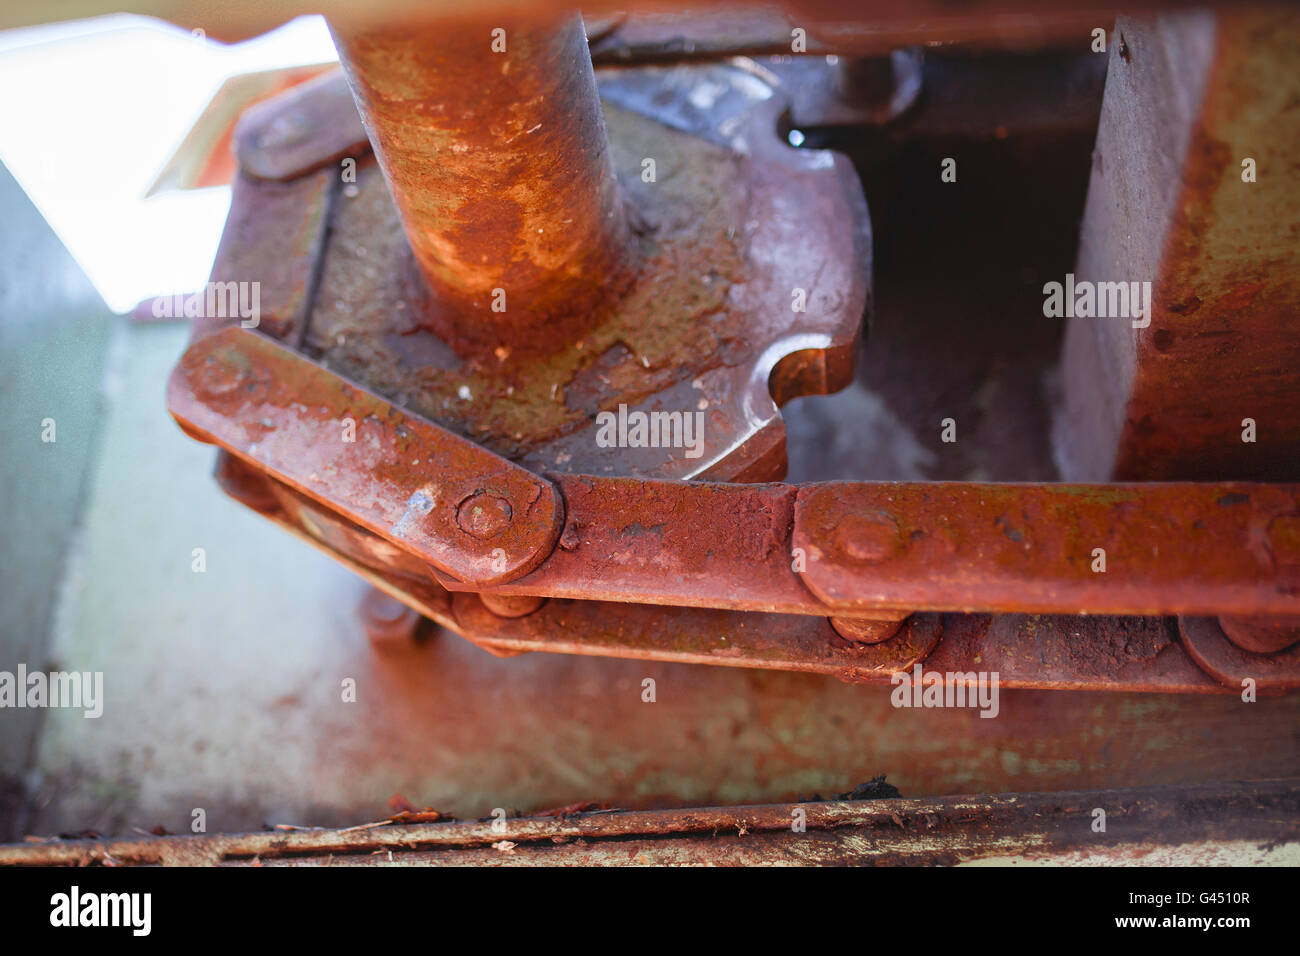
494	146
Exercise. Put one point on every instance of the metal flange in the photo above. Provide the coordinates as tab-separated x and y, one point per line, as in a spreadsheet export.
753	266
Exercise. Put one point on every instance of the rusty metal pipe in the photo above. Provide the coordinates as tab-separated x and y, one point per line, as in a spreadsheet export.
493	144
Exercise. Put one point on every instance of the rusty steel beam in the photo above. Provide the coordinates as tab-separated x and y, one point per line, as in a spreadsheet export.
1247	822
1192	190
708	31
494	148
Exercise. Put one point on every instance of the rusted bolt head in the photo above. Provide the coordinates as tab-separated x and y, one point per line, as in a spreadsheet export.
872	630
1261	635
484	515
215	379
512	605
286	129
387	620
867	537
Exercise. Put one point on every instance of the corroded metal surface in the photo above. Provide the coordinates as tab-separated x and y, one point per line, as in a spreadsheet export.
1104	549
1216	655
846	547
453	504
793	642
1060	652
707	328
1072	652
313	125
274	236
843	551
674	543
711	31
495	151
724	340
869	630
942	830
1261	635
1193	191
859	547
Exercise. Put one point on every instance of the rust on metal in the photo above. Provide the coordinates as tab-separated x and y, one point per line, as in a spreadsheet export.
1057	652
1071	652
846	562
1196	100
499	164
1188	825
1207	644
705	329
510	606
1261	635
791	642
869	630
386	619
673	543
861	548
311	126
1068	549
390	472
717	31
274	237
852	548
